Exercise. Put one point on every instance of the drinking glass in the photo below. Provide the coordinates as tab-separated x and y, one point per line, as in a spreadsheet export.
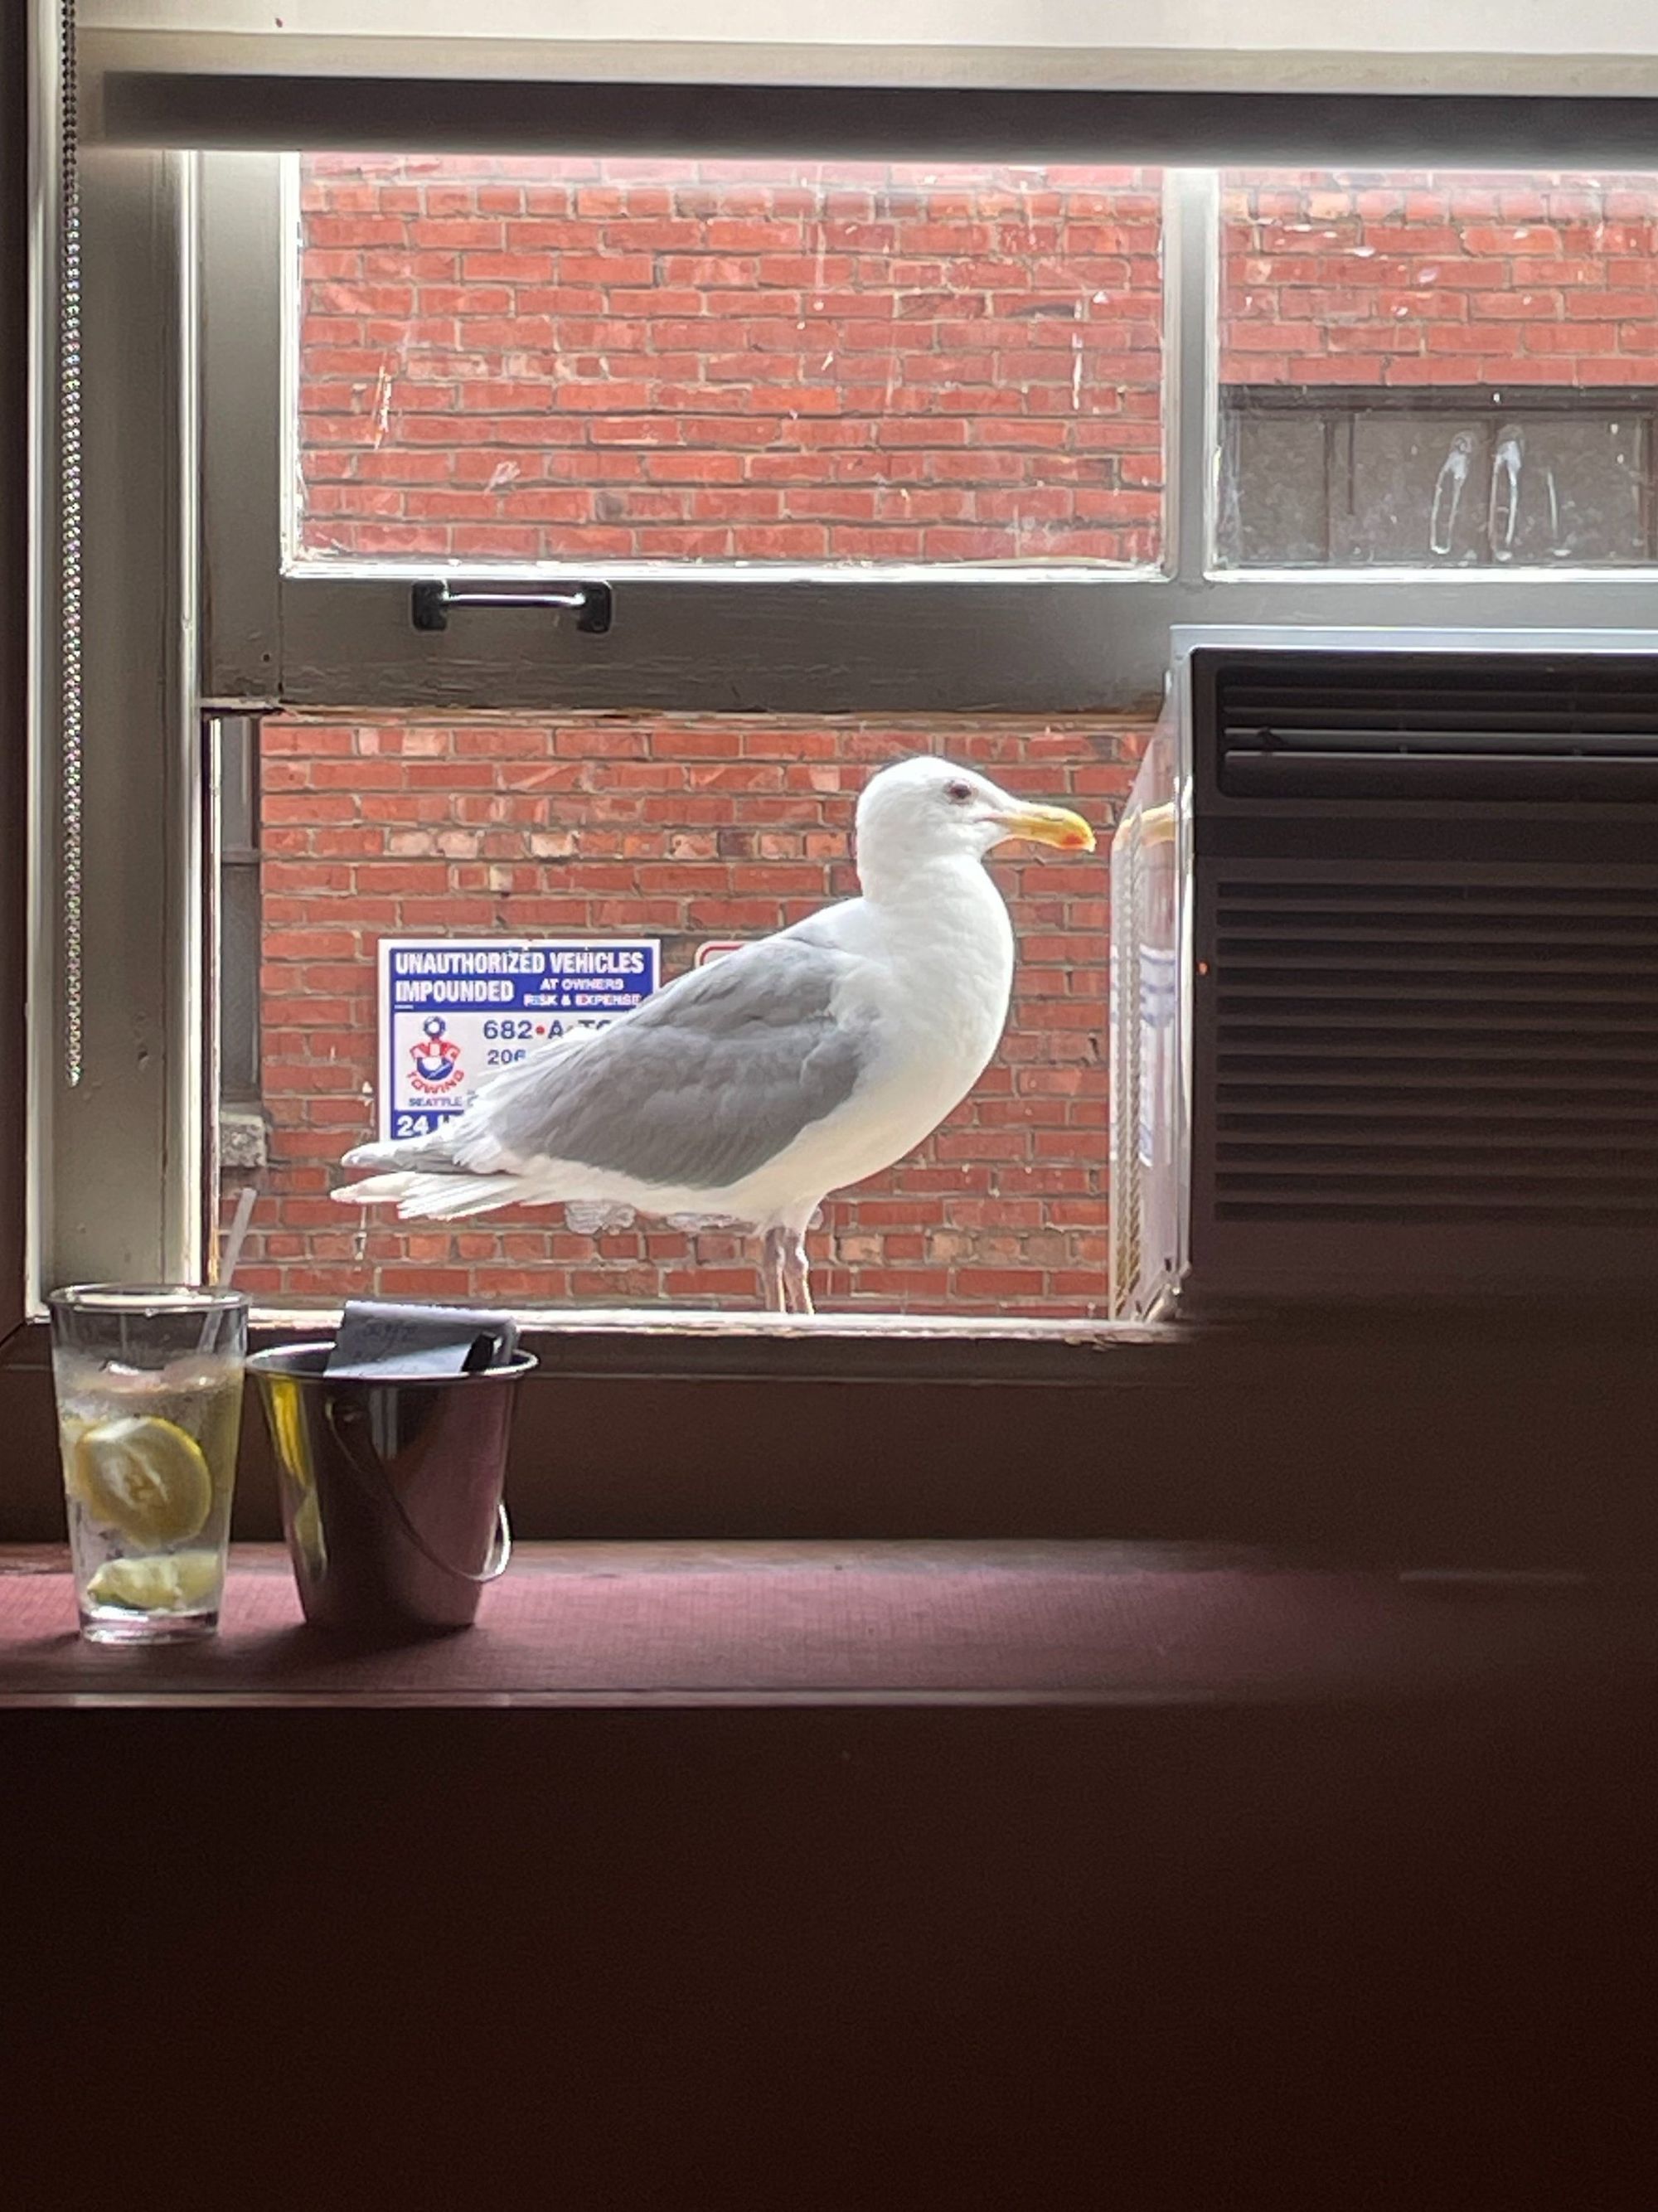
148	1381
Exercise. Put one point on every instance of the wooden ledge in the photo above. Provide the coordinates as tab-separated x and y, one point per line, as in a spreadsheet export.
932	1623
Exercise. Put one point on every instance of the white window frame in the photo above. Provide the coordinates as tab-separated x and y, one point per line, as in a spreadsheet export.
157	222
689	637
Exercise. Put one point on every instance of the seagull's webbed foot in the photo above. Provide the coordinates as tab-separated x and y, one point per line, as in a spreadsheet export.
797	1284
772	1270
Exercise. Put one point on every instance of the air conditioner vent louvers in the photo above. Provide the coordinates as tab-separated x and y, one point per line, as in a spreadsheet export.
1433	1052
1353	726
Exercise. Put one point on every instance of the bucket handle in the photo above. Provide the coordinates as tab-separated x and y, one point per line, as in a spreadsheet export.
373	1474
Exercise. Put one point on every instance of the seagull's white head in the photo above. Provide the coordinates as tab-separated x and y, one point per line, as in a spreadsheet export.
920	810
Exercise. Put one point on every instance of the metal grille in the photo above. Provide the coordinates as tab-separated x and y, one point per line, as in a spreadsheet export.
1436	1052
1447	727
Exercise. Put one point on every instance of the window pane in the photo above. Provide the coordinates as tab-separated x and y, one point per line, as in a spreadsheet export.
1275	489
1577	490
1408	489
239	970
685	831
542	359
1480	352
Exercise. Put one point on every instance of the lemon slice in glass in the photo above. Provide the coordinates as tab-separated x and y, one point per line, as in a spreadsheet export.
168	1584
144	1476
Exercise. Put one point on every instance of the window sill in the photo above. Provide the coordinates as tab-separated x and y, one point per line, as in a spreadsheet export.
697	1342
858	1624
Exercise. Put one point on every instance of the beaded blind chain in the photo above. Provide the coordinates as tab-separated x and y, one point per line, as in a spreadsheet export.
68	474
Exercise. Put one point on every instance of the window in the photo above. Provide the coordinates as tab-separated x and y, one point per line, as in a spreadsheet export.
537	359
237	741
1343	479
687	832
1436	369
641	368
925	444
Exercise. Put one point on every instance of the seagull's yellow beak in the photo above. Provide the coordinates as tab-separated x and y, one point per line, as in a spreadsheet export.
1049	825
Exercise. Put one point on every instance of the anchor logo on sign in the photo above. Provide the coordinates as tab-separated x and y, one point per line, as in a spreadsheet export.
437	1059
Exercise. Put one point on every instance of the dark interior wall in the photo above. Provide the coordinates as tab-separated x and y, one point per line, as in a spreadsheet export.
887	1958
1462	1437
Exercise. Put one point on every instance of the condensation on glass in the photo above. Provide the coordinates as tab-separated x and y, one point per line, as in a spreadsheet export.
544	359
1436	369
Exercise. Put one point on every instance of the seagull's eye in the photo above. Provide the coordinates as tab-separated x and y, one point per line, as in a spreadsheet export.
959	793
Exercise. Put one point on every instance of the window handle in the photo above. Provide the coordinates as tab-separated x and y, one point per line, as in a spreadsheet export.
589	603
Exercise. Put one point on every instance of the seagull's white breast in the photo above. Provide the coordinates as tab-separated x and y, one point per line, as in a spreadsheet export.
931	991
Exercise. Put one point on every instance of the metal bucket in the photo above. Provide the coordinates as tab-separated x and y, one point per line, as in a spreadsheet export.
390	1492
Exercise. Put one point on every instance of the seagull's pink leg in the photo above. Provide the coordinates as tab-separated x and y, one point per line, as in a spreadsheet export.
772	1275
797	1287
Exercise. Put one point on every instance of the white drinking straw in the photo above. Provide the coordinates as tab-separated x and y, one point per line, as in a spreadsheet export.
231	1251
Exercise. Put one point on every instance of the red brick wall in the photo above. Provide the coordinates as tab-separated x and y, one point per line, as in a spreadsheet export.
686	830
522	358
1439	279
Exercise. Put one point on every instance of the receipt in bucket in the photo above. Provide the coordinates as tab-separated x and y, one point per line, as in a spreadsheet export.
382	1342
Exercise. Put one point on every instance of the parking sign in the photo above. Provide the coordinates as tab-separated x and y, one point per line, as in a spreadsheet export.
454	1011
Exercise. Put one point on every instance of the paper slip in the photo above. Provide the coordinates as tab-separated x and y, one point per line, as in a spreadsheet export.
380	1341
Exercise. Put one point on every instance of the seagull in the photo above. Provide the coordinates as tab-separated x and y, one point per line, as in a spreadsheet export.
749	1089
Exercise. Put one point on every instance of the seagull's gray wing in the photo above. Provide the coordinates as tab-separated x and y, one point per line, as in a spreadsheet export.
700	1085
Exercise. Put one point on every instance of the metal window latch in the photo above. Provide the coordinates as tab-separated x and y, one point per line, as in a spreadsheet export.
589	603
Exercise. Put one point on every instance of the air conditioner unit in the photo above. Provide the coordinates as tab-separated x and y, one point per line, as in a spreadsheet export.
1384	967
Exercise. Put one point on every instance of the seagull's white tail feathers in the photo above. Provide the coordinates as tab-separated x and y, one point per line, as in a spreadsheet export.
432	1197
